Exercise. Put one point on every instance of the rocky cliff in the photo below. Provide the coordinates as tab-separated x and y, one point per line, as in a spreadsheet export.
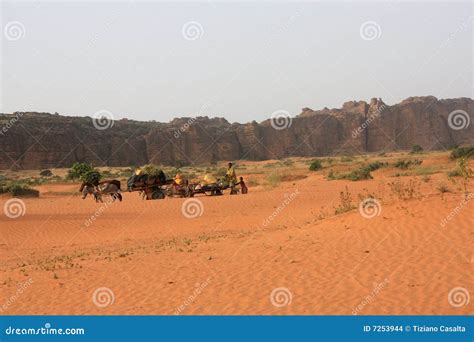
42	140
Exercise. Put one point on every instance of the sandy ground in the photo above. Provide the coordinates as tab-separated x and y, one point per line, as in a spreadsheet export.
146	257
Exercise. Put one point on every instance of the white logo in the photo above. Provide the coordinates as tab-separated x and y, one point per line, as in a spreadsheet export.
370	30
103	297
458	119
14	30
103	119
280	297
280	119
192	30
192	208
370	207
458	297
14	208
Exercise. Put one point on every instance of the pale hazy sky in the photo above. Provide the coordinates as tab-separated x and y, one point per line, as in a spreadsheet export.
249	60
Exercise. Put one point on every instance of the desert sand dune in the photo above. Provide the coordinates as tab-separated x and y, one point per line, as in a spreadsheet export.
154	260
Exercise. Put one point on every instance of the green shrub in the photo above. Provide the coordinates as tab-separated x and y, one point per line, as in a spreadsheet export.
315	165
78	170
359	174
404	164
376	165
91	176
459	152
18	190
416	149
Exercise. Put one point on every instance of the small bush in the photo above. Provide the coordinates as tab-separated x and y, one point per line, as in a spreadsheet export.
460	152
376	165
315	165
345	205
405	191
416	149
359	174
404	164
19	190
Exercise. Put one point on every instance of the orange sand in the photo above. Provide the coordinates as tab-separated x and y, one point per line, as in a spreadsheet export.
227	261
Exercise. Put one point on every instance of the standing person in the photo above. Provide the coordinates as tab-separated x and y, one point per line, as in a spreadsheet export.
230	175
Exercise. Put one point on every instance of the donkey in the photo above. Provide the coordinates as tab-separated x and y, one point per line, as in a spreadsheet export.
89	189
109	187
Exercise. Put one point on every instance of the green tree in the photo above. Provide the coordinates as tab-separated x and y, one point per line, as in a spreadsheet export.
78	170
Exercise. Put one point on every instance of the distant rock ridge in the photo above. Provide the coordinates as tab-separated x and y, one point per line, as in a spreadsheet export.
41	140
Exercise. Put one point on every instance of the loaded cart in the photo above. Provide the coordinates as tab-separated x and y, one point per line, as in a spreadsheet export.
153	187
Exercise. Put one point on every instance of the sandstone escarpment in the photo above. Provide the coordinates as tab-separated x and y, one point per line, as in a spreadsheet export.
42	140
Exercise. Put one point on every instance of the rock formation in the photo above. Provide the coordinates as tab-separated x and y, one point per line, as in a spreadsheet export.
42	140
